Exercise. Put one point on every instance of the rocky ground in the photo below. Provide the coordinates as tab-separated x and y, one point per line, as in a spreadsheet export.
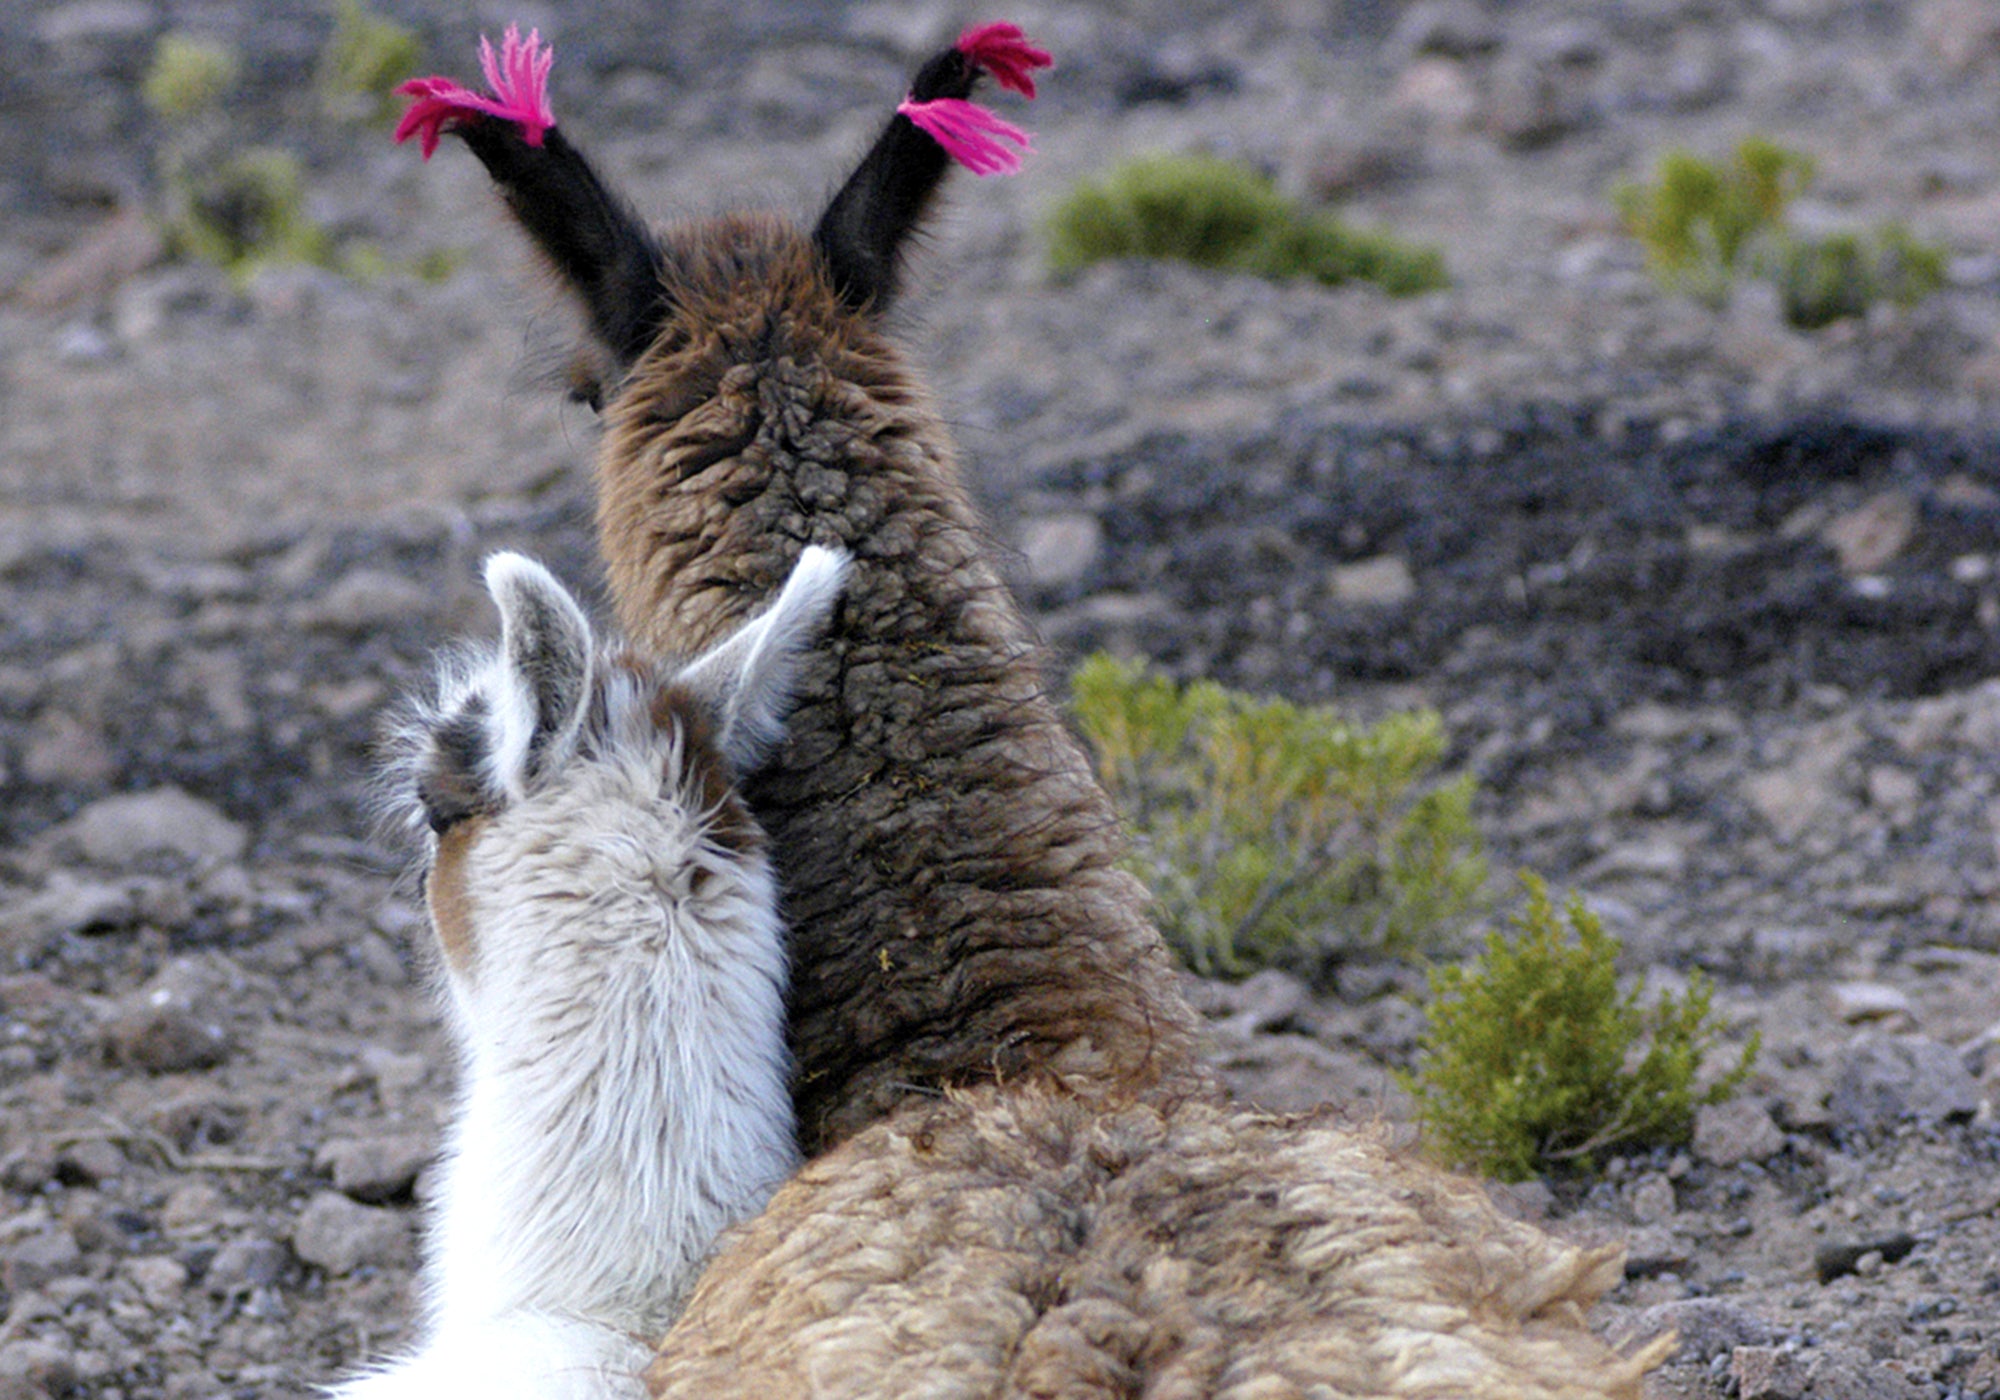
1711	606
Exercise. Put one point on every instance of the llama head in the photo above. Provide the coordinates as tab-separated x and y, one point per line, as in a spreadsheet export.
623	275
550	733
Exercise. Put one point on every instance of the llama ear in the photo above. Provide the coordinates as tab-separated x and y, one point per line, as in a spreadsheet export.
602	251
863	231
749	680
545	661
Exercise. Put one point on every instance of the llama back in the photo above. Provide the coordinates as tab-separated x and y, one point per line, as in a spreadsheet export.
956	909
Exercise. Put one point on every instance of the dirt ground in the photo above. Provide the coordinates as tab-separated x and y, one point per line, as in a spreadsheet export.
1711	606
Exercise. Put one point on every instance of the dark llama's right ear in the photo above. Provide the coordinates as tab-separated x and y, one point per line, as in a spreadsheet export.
600	248
862	233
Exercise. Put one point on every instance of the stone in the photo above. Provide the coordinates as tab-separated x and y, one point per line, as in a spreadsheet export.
1868	538
1963	34
1384	581
50	1253
118	831
1707	1327
30	1370
249	1263
1854	1002
375	1170
1061	550
61	748
364	600
1883	1080
70	905
340	1236
1824	1373
1767	1373
168	1026
1651	1200
89	1162
158	1278
1740	1130
1265	1001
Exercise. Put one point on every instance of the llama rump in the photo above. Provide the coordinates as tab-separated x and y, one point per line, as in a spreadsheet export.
610	941
1015	1243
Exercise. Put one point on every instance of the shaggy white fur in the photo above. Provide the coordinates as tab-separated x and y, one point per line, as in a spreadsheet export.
616	970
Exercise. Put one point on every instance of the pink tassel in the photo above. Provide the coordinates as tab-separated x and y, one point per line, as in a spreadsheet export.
969	133
1002	50
518	79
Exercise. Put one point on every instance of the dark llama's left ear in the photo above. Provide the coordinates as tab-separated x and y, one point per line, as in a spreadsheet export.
601	249
862	232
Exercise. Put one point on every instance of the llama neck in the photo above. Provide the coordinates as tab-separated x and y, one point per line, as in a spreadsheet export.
950	862
625	1095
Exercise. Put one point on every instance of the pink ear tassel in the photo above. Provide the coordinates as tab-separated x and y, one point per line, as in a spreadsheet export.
1002	50
969	133
518	79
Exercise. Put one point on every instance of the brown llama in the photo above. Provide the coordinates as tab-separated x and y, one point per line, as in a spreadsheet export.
956	907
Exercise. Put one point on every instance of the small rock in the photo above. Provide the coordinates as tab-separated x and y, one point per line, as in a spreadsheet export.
1854	1002
167	1026
1382	582
1893	790
1767	1373
374	1170
1834	1259
117	831
30	1370
1708	1328
364	601
191	1208
1962	33
1869	537
1881	1081
339	1236
246	1264
158	1278
1436	90
1061	549
88	1162
1740	1130
69	905
61	748
1651	1200
1265	1001
1655	1250
47	1254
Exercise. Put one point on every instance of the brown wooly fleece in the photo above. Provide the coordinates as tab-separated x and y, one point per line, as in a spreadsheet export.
1012	1243
956	909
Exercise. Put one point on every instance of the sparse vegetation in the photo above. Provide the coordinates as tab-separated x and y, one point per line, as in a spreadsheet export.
242	207
1533	1061
1272	833
1221	214
368	55
1705	224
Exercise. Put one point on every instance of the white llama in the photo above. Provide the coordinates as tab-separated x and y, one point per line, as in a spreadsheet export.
610	936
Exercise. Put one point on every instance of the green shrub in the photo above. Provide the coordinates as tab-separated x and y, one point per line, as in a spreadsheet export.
243	212
1277	834
1703	225
1220	214
363	62
1532	1061
188	77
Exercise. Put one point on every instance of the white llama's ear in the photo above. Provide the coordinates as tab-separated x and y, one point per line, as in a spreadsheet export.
545	660
748	680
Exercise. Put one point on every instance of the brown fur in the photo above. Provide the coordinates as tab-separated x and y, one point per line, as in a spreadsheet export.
1015	1243
445	892
956	910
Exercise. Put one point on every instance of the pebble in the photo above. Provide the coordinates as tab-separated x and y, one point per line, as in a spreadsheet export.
375	1170
158	1278
336	1234
168	1026
68	904
364	601
1740	1130
118	831
49	1253
1061	550
1651	1200
1708	1328
1854	1002
1881	1080
32	1369
1827	1373
1384	581
245	1264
